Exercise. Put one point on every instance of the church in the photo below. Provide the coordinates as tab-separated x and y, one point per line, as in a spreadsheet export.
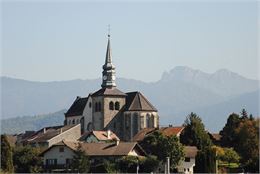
111	109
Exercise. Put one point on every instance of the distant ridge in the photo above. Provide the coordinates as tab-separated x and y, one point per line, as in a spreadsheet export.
179	92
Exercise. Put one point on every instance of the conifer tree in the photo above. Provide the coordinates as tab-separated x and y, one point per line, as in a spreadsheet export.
6	155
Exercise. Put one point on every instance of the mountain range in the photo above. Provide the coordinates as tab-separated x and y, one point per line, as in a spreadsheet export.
180	91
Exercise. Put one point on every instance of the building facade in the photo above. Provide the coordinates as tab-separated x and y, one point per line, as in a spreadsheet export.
111	109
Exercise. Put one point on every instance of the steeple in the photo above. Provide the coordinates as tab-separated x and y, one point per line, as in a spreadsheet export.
109	73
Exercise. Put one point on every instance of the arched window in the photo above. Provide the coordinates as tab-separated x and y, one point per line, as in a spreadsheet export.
152	120
111	105
96	107
73	121
89	105
99	106
147	120
117	106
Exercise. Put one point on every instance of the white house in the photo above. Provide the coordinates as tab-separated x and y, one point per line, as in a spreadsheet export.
187	165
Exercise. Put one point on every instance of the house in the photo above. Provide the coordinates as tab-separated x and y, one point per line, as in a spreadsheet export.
99	136
59	156
109	108
48	136
215	138
167	131
186	166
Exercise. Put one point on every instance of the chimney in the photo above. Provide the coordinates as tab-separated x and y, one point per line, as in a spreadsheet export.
117	142
44	130
108	134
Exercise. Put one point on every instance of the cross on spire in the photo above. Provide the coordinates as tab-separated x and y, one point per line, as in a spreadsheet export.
108	30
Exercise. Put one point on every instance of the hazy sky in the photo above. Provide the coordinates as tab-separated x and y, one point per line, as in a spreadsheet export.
61	40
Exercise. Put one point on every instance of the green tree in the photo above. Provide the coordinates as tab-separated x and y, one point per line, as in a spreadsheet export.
149	164
205	161
26	160
230	156
80	161
248	144
128	164
228	134
244	114
163	147
194	133
6	155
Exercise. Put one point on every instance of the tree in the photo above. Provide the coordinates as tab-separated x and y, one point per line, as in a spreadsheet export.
149	164
248	144
205	161
244	114
230	156
80	161
128	164
26	160
163	147
6	155
194	133
228	133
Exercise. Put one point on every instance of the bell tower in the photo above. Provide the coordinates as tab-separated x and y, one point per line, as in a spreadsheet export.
109	73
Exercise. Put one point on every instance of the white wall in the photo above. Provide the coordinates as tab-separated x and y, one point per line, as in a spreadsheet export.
87	114
188	166
61	157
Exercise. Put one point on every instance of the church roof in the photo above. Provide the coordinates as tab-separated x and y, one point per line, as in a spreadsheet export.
135	101
77	107
108	92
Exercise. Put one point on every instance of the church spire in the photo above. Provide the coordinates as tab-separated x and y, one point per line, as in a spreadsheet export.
109	73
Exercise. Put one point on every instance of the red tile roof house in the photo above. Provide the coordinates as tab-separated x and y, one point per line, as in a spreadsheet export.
59	156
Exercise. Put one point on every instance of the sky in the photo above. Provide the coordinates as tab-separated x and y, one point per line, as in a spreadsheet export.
64	40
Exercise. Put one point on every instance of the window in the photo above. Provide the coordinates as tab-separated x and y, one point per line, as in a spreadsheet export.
117	106
68	161
96	107
61	149
51	162
99	106
152	121
142	122
69	122
187	159
147	120
188	169
111	105
73	121
89	105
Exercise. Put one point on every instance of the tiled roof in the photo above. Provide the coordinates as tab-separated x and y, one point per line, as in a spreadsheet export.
101	135
108	149
77	107
167	131
142	133
108	92
47	133
102	149
135	101
190	151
